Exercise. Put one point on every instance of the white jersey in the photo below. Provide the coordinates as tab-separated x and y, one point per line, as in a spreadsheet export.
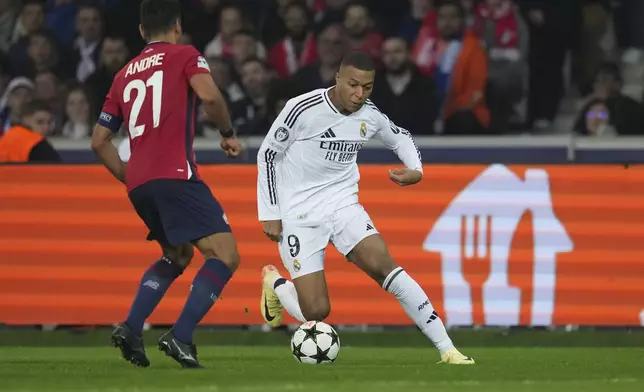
307	165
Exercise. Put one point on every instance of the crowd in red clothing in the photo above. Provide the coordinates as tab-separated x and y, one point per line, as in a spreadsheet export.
446	66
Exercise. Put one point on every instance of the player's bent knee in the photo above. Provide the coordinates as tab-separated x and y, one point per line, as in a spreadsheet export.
378	266
221	246
232	260
187	254
179	255
316	311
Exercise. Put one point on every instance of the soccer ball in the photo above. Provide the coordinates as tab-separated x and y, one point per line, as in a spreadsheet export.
315	343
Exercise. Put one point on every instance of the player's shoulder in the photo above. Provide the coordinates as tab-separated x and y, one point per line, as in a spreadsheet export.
372	108
301	107
307	98
373	111
187	50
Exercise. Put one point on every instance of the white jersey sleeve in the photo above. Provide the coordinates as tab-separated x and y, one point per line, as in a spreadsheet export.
280	137
399	140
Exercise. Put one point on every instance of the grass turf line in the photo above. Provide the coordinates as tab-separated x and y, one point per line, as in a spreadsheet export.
396	338
243	368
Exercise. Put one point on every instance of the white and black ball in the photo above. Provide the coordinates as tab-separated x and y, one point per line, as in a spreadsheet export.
315	343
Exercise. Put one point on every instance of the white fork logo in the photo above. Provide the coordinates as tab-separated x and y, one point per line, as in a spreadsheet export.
474	236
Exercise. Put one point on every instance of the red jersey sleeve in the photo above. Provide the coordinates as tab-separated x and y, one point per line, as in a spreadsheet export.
195	63
111	116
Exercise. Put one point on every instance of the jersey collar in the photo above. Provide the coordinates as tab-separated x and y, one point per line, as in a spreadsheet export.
328	99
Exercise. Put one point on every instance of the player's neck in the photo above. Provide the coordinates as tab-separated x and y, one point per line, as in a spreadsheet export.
335	100
169	38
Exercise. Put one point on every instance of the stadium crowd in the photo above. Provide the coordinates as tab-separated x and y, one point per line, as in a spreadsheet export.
448	66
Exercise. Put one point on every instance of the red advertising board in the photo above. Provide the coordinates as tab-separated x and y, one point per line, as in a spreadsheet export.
496	245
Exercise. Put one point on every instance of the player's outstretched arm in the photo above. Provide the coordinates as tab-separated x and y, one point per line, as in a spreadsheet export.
400	141
278	139
217	111
107	152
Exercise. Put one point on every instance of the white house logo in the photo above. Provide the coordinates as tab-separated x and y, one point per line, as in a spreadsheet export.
478	227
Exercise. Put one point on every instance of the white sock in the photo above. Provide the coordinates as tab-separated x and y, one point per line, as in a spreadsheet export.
418	307
288	297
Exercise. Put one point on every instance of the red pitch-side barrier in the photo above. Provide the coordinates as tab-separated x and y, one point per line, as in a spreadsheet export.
496	245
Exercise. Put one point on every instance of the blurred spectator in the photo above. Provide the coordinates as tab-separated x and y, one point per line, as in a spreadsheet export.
7	18
221	71
77	117
330	12
202	23
460	74
43	55
18	93
412	22
62	21
245	46
359	25
554	32
595	120
30	19
113	57
626	114
231	20
331	44
48	89
89	24
268	19
422	50
298	48
506	37
469	6
598	41
250	115
407	96
27	141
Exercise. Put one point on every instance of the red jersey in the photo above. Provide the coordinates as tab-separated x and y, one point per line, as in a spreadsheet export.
153	97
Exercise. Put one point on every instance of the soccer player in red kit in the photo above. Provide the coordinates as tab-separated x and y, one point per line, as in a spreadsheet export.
155	96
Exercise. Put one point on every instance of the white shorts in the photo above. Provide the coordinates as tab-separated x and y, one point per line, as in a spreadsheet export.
302	247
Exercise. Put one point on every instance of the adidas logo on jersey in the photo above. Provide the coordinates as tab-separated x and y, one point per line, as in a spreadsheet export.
328	134
370	227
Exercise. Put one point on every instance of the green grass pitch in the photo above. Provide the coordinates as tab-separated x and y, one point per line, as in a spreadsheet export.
255	361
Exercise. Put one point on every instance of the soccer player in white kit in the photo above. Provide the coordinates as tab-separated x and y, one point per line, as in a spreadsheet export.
307	192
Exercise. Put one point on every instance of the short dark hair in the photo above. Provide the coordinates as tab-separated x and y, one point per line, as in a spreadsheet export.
357	3
90	4
33	107
452	3
40	33
255	59
298	4
610	69
158	16
359	60
246	32
27	3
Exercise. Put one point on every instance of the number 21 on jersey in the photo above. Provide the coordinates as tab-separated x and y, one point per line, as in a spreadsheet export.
156	82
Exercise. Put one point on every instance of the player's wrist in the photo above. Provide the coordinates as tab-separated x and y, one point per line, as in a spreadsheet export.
227	134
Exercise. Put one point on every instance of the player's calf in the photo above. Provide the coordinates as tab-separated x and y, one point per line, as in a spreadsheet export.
155	283
372	256
222	259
